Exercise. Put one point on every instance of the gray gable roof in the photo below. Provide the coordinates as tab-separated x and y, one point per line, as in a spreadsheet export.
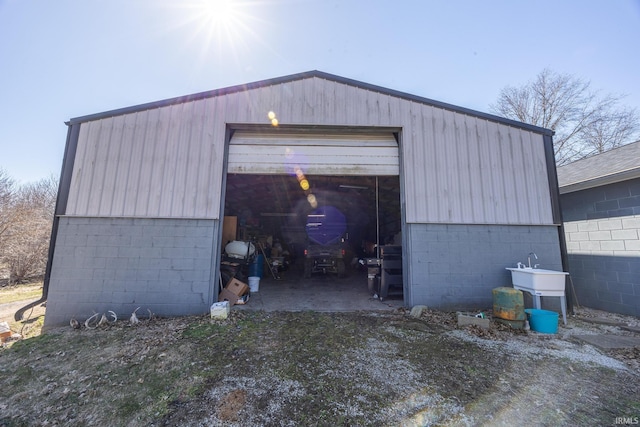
619	164
306	75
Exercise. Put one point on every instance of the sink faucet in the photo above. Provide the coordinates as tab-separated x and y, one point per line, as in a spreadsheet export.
529	257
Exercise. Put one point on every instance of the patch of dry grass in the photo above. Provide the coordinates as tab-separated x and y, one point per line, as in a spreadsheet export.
25	292
304	368
14	297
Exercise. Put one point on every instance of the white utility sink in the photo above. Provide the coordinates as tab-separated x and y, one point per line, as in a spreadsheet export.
534	280
540	282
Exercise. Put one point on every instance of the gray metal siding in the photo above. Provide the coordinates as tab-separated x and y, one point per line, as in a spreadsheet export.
168	162
157	163
461	169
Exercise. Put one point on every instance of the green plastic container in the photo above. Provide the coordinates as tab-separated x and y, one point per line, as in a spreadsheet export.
543	321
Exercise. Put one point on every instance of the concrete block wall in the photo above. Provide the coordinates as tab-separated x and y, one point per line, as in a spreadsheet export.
617	200
119	264
602	229
457	266
605	237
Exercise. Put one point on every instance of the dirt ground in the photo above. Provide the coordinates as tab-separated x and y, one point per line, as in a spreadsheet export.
309	368
12	299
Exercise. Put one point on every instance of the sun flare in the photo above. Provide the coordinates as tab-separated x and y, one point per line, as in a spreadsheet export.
222	30
219	12
220	25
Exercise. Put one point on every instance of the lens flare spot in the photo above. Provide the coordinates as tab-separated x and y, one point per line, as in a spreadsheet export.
304	184
274	122
299	173
271	115
288	154
312	200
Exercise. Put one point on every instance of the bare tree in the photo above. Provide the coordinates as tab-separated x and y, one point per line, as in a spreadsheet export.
7	197
610	129
27	220
584	122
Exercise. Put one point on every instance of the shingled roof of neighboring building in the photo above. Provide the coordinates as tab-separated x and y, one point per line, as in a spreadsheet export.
619	164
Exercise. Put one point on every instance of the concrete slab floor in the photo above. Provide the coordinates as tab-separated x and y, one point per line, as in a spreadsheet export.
608	341
602	321
326	293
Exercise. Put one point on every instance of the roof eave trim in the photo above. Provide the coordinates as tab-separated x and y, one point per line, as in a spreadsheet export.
600	181
438	104
189	98
305	75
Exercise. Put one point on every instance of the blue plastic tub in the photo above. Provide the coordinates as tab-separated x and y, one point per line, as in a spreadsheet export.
543	321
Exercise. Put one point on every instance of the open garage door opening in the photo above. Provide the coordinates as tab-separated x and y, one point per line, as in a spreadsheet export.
311	230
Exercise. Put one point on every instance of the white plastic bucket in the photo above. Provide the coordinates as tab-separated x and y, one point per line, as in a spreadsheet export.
254	283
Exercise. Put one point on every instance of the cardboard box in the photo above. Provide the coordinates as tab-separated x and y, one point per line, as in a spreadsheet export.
227	295
237	287
5	331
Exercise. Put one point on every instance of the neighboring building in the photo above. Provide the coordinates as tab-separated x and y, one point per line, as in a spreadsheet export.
600	200
144	191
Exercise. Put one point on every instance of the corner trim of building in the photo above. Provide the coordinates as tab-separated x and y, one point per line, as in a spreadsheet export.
554	191
71	146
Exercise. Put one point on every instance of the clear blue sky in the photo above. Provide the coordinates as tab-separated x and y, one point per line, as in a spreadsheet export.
68	58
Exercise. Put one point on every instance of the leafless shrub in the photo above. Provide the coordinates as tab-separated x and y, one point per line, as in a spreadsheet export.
26	217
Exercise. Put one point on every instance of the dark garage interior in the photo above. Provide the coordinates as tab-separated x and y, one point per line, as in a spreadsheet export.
271	211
